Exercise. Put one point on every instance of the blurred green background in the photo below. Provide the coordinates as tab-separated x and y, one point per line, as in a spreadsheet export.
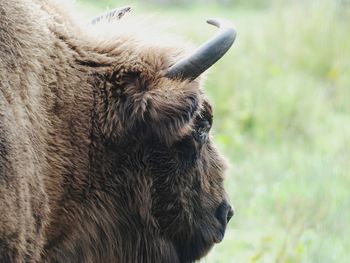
281	99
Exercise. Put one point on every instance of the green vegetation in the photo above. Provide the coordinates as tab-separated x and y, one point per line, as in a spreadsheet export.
282	116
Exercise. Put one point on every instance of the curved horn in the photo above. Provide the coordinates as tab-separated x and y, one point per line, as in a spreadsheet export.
116	13
206	55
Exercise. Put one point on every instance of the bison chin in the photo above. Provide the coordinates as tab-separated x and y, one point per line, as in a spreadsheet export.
194	246
198	245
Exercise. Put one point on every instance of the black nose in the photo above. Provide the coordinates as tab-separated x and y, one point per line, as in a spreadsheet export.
224	213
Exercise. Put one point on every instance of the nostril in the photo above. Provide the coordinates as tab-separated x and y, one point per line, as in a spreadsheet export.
229	214
224	213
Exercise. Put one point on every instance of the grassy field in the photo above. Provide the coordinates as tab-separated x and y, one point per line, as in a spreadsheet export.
282	116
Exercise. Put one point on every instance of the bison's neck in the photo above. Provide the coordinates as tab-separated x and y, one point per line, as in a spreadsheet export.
85	222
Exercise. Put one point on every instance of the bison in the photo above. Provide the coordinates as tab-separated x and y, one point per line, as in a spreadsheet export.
105	152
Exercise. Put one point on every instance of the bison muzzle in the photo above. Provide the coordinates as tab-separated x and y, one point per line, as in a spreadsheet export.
105	147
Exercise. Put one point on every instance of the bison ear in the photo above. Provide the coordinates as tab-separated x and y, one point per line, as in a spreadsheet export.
141	102
114	14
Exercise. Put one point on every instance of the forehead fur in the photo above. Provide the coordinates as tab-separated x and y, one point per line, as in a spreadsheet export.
139	38
142	31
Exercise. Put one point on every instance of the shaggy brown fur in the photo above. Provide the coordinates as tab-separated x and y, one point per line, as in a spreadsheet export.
102	158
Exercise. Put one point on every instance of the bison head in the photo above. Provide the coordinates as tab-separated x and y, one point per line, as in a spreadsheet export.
105	147
156	153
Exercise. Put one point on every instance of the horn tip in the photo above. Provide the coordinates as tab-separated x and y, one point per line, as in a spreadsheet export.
220	23
226	25
213	21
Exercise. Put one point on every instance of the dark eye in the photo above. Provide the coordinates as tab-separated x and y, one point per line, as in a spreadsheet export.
201	131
